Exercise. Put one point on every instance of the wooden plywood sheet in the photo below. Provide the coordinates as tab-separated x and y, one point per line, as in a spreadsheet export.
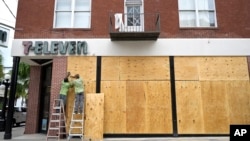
239	101
136	107
223	68
158	114
186	68
144	68
110	68
84	66
115	106
189	107
93	127
215	107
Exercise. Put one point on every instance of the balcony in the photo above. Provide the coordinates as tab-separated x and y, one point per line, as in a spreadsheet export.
132	27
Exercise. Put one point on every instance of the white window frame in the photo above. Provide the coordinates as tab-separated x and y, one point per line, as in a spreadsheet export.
134	28
72	12
198	15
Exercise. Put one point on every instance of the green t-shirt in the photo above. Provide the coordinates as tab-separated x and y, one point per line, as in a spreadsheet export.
64	88
78	84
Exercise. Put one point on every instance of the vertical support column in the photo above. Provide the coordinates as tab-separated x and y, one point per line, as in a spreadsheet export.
33	100
98	74
8	128
173	96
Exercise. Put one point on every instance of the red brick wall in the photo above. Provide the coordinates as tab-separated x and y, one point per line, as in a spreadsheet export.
35	20
33	111
59	72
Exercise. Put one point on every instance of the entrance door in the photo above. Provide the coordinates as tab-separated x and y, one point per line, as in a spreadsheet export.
134	16
45	97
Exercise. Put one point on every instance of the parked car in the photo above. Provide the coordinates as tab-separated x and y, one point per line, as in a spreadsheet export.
19	115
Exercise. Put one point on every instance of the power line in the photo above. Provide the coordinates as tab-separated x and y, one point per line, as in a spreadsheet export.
9	9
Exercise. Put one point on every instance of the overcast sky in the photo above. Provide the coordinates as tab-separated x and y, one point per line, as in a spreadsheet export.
7	18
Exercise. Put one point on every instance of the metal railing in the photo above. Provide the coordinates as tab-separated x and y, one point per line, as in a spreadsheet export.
143	22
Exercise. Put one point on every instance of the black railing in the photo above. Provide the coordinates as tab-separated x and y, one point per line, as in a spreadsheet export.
143	22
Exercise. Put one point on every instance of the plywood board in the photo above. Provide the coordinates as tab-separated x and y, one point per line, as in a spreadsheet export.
239	101
158	115
136	107
186	68
94	116
189	107
223	68
215	107
115	106
84	66
110	68
144	68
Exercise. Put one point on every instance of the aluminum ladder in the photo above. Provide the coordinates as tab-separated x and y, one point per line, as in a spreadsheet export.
76	125
57	123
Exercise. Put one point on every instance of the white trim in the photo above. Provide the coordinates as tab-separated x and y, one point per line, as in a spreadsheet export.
161	47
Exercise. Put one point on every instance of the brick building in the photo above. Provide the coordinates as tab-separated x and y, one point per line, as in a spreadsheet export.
166	67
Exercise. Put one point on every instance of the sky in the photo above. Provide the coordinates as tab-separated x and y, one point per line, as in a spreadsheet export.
7	18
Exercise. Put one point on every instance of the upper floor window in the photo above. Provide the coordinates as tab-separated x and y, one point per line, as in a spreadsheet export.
72	14
134	17
197	13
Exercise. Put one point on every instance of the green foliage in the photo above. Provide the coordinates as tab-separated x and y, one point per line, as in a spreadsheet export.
23	80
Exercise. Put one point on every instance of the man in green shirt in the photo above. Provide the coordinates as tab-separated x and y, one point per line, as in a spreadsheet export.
65	85
79	93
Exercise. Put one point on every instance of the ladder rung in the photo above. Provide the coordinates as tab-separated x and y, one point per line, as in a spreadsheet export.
76	127
55	120
54	128
52	136
56	114
75	134
77	120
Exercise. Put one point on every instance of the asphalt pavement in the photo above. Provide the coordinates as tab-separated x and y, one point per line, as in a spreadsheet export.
18	135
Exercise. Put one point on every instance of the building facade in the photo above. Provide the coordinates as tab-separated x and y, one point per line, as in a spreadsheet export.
176	67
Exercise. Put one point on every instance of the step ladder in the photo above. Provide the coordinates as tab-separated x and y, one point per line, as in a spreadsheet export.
76	125
57	122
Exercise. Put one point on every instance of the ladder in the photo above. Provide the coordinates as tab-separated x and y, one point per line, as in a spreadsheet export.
76	125
57	123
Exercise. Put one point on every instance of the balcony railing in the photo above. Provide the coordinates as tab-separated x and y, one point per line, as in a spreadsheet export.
144	26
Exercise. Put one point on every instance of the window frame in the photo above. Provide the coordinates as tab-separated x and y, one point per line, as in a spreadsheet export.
197	13
139	28
72	12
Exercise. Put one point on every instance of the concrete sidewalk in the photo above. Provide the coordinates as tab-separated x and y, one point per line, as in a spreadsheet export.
18	135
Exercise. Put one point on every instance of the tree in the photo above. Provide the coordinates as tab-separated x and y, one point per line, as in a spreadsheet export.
22	81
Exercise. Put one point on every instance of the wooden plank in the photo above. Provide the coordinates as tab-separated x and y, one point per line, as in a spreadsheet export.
239	106
114	106
189	107
136	106
186	68
84	66
215	107
144	68
93	128
110	68
158	107
223	68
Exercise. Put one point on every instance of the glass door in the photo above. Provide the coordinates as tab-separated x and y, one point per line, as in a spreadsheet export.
45	97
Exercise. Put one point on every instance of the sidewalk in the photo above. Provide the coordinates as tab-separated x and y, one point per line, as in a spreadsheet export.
17	135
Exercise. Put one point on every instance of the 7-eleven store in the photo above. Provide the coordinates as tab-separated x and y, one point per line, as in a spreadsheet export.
166	87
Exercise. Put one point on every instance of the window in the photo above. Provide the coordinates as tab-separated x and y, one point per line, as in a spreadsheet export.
134	18
72	14
197	13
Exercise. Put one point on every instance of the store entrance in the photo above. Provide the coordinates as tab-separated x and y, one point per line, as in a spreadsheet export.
46	76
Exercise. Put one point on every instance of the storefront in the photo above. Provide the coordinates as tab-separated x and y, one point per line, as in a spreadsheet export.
163	87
